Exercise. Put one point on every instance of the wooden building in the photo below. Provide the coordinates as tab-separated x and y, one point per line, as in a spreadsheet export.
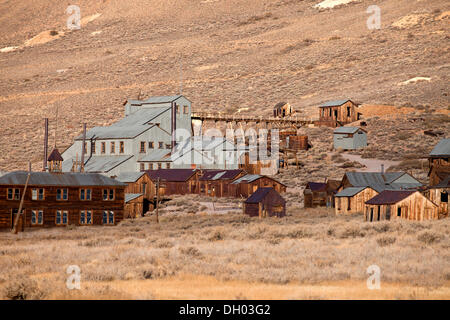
215	183
338	113
134	205
439	162
332	189
439	195
138	183
265	202
349	138
315	194
400	204
59	199
352	199
249	183
173	181
282	109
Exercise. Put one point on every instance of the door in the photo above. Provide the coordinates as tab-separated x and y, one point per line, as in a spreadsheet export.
335	114
20	224
371	214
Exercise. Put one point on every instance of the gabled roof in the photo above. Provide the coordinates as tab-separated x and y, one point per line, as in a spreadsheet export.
390	197
129	177
220	174
279	105
316	186
379	181
333	185
258	195
350	191
247	178
347	130
115	132
442	149
131	196
334	103
68	179
171	175
55	156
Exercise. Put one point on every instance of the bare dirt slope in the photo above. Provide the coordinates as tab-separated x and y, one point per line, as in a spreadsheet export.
234	54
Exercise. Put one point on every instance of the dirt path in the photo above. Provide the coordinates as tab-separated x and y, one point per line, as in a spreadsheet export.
372	165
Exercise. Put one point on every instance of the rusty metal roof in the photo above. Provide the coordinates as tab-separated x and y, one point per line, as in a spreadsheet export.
258	195
390	197
220	174
442	149
68	179
171	175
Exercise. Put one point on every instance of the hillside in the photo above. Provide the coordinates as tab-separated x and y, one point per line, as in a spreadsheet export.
234	54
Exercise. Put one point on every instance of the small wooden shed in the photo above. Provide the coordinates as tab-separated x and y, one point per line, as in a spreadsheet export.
400	204
265	202
315	194
282	109
352	199
338	113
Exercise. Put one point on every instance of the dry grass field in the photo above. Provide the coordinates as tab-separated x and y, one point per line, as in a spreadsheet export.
310	254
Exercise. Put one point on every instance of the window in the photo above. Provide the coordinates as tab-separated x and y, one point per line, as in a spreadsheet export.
185	109
92	147
62	194
61	217
37	194
399	212
151	145
142	166
177	108
142	149
348	111
379	213
86	217
168	165
113	147
108	217
121	147
85	194
444	197
161	145
159	165
349	203
108	194
13	194
150	166
144	188
103	147
330	112
168	146
37	217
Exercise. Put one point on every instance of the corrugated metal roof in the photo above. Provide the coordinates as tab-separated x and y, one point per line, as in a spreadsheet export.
58	179
390	197
171	175
140	117
350	191
220	174
98	163
316	186
379	181
156	155
247	178
346	130
129	177
442	149
115	132
132	196
258	195
334	103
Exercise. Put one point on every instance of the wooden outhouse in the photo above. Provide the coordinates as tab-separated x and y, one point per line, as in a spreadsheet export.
352	199
349	138
400	204
338	113
59	199
249	183
265	202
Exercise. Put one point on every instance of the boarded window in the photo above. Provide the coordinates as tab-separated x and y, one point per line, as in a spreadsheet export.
121	147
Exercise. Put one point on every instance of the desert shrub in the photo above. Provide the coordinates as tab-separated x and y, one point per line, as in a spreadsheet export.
428	237
158	272
352	232
53	33
216	236
164	244
22	288
298	234
191	251
386	241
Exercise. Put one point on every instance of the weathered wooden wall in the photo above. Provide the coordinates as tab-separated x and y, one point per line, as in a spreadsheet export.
357	202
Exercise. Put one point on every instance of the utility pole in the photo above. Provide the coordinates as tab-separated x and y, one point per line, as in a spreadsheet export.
19	213
157	199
